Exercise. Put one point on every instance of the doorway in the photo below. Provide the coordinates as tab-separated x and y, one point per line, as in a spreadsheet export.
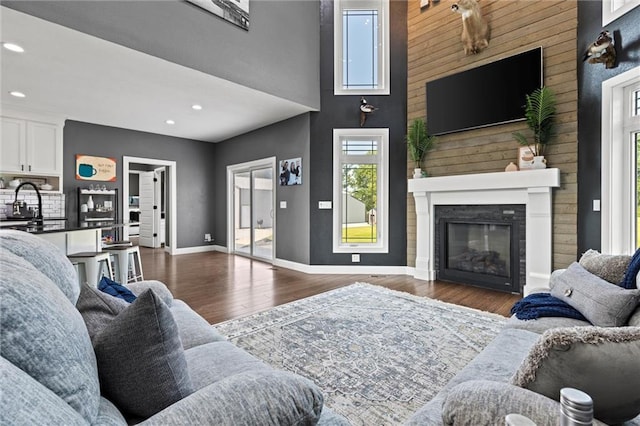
251	200
157	187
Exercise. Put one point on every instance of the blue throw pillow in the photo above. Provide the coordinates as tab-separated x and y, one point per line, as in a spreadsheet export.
116	290
629	280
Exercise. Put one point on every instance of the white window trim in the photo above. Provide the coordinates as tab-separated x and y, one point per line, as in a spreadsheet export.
382	220
618	169
612	10
383	49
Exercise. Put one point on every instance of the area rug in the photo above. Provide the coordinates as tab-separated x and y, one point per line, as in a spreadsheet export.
377	354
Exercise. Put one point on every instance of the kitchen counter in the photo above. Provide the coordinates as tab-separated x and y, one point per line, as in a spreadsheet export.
70	236
60	225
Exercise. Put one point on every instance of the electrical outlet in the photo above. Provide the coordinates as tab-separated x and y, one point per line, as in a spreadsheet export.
207	238
355	257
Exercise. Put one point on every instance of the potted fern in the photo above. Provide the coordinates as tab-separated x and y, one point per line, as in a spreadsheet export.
419	141
540	115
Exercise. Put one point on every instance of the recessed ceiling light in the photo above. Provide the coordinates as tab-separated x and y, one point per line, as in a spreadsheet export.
170	122
13	47
18	94
196	107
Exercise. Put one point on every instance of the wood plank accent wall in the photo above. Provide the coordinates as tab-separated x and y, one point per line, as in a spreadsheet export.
435	50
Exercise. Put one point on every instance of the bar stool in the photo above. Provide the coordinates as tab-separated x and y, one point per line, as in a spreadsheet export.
94	264
126	263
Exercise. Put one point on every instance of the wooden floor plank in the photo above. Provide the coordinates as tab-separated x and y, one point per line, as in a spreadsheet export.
221	287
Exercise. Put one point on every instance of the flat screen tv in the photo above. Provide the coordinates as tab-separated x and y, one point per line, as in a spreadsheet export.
484	96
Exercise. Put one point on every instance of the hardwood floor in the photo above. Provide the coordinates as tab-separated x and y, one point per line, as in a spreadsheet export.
222	287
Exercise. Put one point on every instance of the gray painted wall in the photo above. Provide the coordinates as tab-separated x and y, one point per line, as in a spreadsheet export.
194	167
278	55
343	112
626	33
287	139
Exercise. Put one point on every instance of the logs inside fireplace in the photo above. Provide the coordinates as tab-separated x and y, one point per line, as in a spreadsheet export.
481	245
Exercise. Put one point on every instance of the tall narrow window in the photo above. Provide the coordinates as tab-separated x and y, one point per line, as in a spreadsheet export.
620	213
633	130
360	190
361	44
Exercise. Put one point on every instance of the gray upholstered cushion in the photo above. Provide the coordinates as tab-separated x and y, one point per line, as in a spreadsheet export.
542	324
266	397
609	267
25	401
98	308
603	362
486	403
602	303
44	335
498	361
45	257
634	319
140	358
158	287
216	361
194	330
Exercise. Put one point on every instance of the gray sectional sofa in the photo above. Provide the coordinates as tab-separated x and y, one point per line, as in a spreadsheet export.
523	369
76	356
73	355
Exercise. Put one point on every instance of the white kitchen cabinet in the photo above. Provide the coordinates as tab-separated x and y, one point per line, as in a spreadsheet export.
13	145
30	148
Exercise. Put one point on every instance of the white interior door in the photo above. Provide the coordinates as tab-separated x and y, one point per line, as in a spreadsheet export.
149	210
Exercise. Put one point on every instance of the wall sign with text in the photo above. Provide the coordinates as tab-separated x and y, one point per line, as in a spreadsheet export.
95	168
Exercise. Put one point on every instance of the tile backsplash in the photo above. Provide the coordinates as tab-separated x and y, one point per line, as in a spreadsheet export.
52	204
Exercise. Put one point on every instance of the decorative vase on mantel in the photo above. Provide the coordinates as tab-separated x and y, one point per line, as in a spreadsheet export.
539	162
417	173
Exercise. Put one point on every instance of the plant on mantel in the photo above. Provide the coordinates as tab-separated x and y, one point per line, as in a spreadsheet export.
419	141
540	115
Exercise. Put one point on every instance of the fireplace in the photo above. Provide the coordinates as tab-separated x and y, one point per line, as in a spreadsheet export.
530	188
481	245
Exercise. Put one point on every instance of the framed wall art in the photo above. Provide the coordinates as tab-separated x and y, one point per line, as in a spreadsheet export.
234	11
95	168
290	172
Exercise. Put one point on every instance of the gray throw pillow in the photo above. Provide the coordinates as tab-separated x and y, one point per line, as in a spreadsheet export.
603	362
609	267
141	361
602	303
98	308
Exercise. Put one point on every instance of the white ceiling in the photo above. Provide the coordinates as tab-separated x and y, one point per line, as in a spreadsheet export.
80	77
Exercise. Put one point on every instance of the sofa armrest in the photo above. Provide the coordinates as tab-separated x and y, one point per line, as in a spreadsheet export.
24	400
158	287
251	398
484	402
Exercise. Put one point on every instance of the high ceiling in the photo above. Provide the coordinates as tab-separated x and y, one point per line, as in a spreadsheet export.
80	77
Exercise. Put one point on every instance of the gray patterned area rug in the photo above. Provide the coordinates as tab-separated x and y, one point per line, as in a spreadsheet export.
377	354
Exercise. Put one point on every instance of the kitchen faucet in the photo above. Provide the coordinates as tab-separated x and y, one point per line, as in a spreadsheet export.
39	220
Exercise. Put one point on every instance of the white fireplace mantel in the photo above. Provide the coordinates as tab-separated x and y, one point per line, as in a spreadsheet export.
533	188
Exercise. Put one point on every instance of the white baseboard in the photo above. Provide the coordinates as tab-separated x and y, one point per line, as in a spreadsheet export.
315	269
343	269
200	249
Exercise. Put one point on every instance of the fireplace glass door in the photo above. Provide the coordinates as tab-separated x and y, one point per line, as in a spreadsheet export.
479	248
479	253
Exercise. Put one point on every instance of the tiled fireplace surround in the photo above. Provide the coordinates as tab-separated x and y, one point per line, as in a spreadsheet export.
532	188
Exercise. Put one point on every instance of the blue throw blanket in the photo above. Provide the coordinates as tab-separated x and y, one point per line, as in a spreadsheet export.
544	305
629	280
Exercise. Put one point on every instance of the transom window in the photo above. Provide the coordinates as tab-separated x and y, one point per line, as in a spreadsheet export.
361	47
360	190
